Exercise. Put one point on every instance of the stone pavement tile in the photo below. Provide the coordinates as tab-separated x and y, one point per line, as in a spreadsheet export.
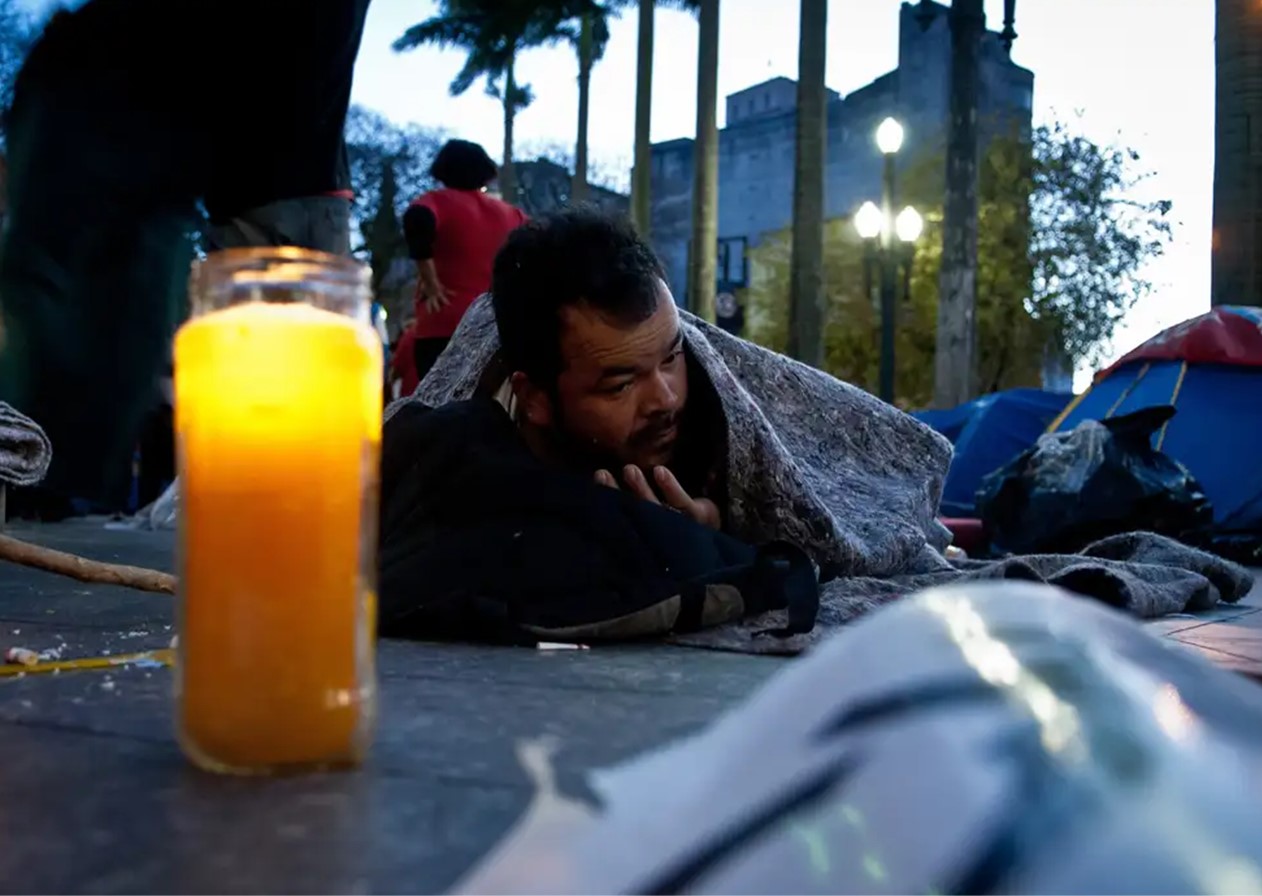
1223	612
1168	625
468	728
650	670
1185	622
95	814
1252	668
1241	638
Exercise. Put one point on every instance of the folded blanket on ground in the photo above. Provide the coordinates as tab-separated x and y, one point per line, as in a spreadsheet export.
25	451
855	483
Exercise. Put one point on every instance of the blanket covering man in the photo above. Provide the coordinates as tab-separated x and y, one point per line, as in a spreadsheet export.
854	483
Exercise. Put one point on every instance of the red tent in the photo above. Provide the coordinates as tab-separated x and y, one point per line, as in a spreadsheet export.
1228	334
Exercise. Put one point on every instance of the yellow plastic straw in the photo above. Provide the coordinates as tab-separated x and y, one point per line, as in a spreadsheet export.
165	656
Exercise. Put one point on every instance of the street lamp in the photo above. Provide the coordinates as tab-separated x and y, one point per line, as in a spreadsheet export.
889	136
908	225
879	229
869	221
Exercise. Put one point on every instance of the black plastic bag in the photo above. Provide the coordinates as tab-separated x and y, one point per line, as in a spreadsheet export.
1102	478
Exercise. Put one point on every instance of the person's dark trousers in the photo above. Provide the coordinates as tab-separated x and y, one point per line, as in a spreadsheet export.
426	352
106	160
93	267
157	455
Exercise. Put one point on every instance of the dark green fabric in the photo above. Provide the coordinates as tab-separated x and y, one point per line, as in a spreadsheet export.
93	265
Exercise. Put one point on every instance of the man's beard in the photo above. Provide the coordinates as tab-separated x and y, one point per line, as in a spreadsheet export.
586	455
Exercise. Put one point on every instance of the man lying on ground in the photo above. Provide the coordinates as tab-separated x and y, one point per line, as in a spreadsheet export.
586	461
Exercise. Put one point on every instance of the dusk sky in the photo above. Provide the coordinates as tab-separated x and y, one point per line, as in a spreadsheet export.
1139	71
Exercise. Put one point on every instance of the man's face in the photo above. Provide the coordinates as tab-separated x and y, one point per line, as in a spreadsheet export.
623	387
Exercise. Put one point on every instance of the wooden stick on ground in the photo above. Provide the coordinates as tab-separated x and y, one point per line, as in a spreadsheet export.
85	570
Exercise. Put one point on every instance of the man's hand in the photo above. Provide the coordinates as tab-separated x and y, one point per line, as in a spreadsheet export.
702	510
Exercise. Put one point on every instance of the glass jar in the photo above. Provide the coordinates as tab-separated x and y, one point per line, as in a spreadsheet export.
278	411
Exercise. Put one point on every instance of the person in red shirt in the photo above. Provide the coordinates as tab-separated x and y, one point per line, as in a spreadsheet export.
453	233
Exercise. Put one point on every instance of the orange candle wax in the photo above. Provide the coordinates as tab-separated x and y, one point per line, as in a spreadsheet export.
278	418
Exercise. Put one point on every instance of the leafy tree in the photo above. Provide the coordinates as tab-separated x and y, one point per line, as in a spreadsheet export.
382	234
372	142
1090	238
588	32
492	33
1060	247
610	173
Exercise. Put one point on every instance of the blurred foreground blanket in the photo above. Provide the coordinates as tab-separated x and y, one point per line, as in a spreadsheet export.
25	451
855	483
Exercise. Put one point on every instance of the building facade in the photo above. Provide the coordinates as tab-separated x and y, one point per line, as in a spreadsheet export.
544	186
757	145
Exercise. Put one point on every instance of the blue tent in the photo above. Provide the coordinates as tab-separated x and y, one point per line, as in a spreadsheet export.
952	421
987	433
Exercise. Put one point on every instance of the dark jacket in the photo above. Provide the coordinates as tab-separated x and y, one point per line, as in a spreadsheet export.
481	541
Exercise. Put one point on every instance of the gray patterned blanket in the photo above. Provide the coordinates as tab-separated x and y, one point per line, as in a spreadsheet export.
25	451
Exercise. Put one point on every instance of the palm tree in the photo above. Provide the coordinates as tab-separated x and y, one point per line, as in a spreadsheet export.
703	258
492	33
955	365
641	173
1237	253
806	269
590	37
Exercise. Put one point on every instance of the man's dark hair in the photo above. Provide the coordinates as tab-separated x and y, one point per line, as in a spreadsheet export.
463	165
579	255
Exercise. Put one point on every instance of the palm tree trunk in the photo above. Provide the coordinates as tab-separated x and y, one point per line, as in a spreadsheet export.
703	261
955	353
806	271
1237	254
508	183
642	172
578	192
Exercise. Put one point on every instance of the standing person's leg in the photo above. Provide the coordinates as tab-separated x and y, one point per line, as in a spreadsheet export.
157	455
280	173
92	278
312	222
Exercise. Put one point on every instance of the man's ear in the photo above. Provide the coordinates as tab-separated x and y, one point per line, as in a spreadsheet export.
535	405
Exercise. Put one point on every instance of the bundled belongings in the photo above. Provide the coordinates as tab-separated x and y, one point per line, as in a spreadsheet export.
987	433
791	456
1099	479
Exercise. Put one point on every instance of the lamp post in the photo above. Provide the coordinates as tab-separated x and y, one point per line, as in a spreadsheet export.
883	232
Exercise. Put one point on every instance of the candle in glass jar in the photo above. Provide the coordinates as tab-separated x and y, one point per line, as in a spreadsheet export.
278	418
